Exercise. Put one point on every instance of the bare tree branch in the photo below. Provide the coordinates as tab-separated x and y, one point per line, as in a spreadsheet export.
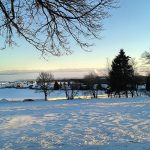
51	25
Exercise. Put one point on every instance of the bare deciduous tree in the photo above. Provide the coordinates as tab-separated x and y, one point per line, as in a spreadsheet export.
92	87
71	90
49	25
146	57
44	80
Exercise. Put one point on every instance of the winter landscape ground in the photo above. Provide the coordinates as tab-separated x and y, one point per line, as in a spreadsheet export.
99	124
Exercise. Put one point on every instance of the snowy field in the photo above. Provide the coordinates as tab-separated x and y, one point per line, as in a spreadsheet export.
102	124
12	94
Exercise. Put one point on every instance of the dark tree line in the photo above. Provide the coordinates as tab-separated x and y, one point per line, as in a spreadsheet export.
122	80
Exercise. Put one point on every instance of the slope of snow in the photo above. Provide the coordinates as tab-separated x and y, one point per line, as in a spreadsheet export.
105	124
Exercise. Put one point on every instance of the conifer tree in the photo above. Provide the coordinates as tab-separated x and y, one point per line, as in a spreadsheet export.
56	85
121	74
148	83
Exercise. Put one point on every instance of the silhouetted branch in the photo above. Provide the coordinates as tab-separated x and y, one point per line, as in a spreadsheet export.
50	25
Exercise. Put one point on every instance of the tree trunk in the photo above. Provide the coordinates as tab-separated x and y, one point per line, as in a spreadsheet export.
45	93
67	94
119	94
72	94
126	93
94	94
132	93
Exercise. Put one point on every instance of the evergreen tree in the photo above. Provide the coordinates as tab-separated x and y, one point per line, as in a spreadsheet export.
56	86
121	74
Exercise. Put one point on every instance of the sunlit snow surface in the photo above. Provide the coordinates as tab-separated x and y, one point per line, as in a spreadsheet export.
103	124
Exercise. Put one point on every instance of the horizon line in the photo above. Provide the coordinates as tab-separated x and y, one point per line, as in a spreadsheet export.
13	72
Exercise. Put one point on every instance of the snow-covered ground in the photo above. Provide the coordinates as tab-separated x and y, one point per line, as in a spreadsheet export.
12	94
102	124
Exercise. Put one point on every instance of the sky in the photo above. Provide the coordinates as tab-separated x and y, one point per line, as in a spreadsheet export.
128	27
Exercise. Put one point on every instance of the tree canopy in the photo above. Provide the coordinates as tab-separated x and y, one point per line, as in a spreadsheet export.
48	25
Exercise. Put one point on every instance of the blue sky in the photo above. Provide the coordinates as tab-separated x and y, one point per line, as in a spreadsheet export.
127	28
